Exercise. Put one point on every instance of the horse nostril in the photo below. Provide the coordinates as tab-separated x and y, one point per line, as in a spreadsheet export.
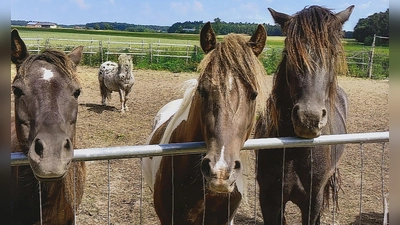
323	113
205	167
39	148
67	144
237	165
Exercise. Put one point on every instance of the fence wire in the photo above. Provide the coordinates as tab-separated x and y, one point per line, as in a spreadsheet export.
126	152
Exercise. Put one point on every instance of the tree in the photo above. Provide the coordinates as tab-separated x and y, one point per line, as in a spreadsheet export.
378	24
96	26
108	26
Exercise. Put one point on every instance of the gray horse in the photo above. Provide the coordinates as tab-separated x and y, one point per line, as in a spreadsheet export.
116	77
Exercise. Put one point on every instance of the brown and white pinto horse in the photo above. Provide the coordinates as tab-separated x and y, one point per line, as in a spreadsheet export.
305	101
46	91
219	108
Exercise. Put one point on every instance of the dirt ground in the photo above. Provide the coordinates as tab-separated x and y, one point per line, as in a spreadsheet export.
130	200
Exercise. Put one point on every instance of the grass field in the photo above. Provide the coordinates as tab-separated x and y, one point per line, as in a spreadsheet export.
117	41
191	39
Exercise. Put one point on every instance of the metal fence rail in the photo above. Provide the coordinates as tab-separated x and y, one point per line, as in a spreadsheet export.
139	151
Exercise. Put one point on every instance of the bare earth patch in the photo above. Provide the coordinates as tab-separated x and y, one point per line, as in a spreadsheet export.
100	126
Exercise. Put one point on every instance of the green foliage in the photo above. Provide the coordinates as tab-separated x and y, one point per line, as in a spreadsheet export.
223	28
271	60
172	64
358	65
378	24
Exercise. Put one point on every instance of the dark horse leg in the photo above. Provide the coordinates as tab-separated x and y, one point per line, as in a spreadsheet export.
270	183
310	215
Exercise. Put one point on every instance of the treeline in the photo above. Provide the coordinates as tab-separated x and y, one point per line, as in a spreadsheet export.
378	24
125	27
190	27
222	28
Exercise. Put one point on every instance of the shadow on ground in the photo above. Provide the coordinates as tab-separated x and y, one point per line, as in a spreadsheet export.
98	108
368	218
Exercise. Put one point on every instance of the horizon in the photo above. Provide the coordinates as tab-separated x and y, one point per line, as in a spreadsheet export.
166	13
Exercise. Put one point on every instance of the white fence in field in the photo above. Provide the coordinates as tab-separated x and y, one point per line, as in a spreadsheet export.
154	50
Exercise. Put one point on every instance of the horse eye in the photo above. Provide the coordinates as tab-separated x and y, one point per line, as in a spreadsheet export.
77	93
17	92
203	93
253	95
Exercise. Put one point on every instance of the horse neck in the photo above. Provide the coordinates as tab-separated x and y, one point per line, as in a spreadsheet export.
190	129
280	105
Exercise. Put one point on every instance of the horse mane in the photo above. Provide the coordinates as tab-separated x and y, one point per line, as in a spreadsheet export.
55	57
234	54
190	88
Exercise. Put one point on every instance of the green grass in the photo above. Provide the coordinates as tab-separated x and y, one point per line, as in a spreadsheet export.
270	59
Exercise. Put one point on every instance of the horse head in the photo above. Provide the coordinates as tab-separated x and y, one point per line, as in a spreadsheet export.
227	91
312	58
125	66
46	94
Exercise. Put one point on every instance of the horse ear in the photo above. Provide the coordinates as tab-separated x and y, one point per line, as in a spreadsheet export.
279	18
208	39
19	52
344	15
257	41
76	54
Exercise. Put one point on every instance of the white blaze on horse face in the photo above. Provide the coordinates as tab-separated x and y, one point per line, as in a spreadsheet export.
47	74
221	164
230	82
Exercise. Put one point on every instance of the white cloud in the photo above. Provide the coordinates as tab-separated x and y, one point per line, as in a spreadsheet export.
81	4
186	7
365	5
198	6
181	8
112	2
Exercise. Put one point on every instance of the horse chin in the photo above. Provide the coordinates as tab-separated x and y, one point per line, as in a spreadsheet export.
307	133
49	179
221	186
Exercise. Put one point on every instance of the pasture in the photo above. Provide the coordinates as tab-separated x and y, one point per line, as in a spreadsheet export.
192	39
97	43
100	126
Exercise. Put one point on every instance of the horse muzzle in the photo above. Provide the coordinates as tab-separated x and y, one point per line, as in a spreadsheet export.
220	179
50	156
308	121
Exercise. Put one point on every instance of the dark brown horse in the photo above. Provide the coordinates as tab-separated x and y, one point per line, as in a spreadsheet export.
305	101
46	91
220	109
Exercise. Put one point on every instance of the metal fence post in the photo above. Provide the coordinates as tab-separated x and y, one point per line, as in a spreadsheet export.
371	56
151	52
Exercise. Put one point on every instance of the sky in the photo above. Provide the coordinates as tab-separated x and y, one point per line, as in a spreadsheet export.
166	12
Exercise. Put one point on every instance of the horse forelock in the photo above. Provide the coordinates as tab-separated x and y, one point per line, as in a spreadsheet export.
315	29
234	58
56	58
